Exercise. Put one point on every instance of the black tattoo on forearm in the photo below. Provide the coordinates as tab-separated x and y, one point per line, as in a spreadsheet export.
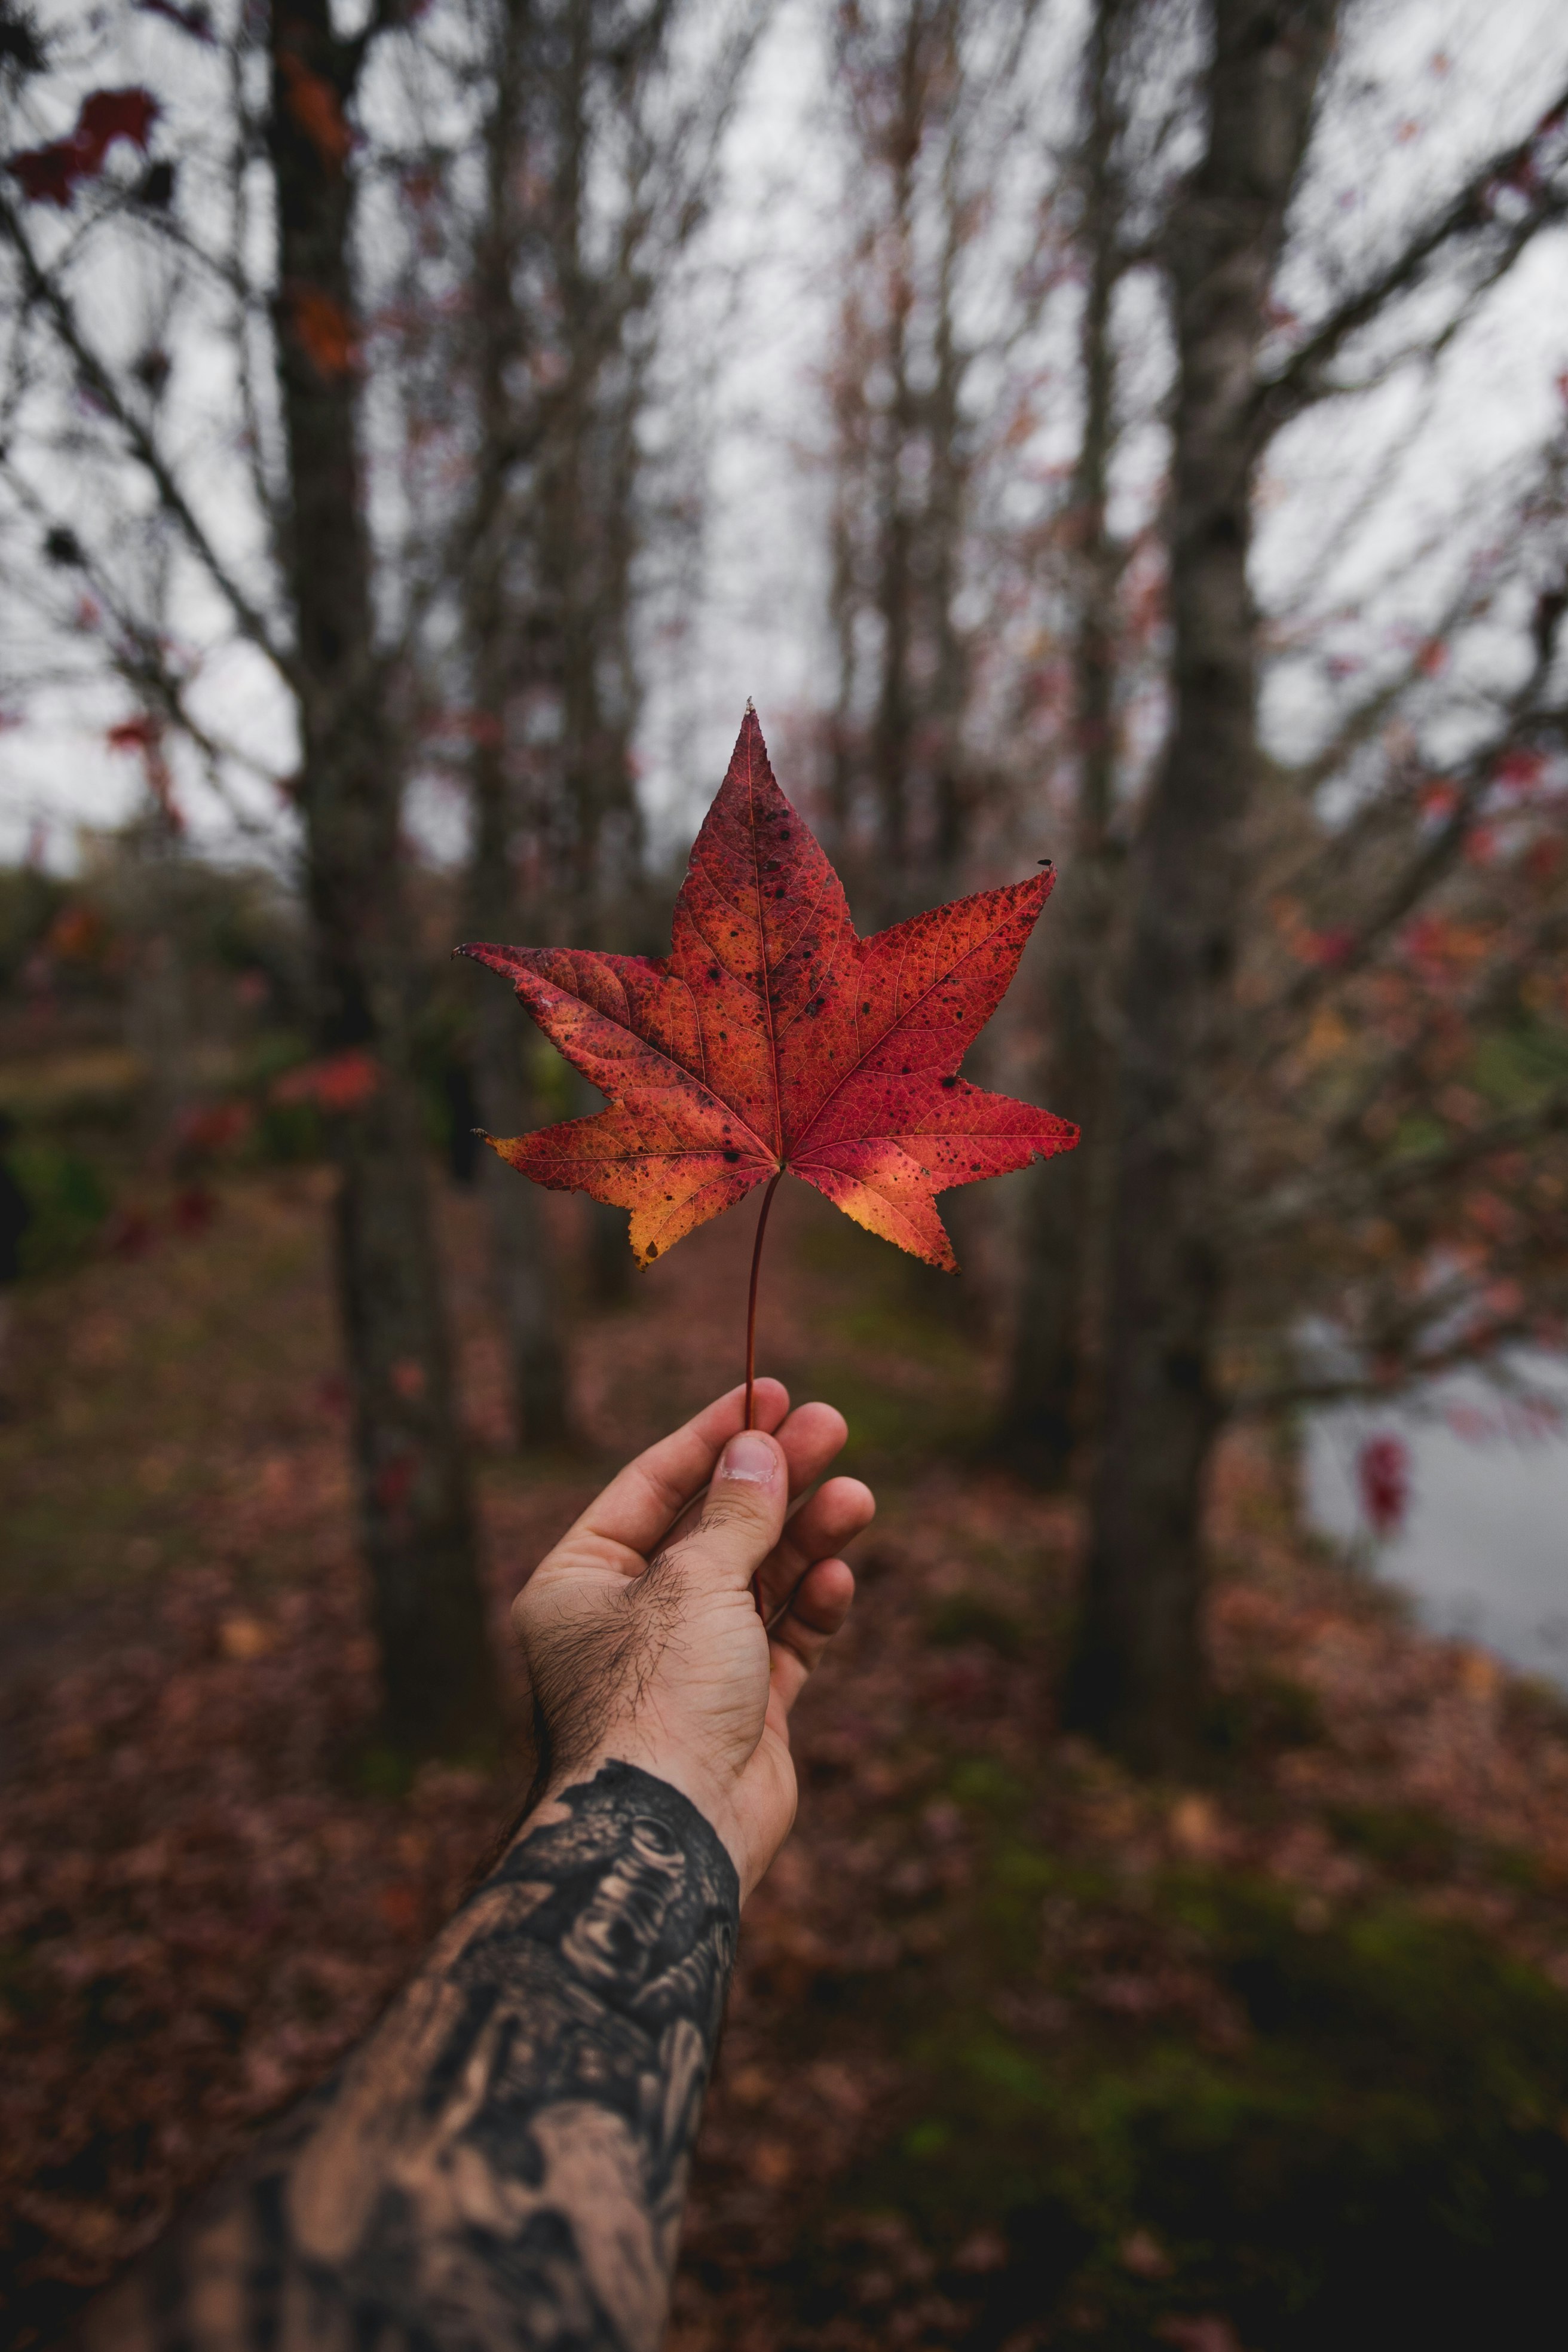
503	2162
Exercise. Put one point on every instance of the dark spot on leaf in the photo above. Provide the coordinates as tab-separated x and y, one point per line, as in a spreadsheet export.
950	1082
653	1249
732	1155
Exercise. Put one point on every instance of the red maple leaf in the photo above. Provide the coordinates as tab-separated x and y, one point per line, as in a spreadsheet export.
772	1040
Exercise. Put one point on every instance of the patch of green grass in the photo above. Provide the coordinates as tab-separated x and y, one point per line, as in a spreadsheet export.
1418	1134
1535	1708
145	1415
1265	1713
981	1782
910	1388
69	1201
884	1327
964	1617
1406	1840
23	1988
1411	1843
1515	1066
835	1246
1282	1713
377	1769
911	1382
1023	1871
1374	2156
1512	1865
923	2141
893	1421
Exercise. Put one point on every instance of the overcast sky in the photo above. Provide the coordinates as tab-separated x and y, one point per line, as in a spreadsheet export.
1351	497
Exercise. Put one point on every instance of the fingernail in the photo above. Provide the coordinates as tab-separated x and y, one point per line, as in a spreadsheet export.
749	1456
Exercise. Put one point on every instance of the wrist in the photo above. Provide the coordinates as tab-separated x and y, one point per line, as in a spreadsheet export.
702	1790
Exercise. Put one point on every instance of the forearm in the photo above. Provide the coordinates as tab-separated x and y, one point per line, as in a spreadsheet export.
504	2161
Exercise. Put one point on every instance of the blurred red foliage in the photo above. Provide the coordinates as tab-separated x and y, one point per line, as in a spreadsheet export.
51	175
324	331
317	109
339	1082
1382	1473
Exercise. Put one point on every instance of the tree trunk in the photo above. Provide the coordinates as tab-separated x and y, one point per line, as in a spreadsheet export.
1138	1677
528	1290
585	547
522	1263
946	514
1063	1240
892	724
415	1516
844	596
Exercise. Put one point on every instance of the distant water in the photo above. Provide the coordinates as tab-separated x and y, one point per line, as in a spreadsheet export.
1484	1544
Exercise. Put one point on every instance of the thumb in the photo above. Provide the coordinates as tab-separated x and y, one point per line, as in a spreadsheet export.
743	1515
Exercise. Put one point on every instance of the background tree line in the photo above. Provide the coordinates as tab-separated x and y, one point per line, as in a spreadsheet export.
353	382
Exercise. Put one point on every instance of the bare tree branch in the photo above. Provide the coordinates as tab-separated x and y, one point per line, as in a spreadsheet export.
1471	212
140	659
1360	1192
43	290
1472	1350
1524	721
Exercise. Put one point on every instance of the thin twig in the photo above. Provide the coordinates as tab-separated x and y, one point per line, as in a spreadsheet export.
44	291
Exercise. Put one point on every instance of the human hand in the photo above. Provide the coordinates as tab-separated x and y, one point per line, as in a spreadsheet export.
644	1642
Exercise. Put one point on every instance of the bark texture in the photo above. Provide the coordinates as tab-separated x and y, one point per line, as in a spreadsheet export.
1138	1678
526	1285
900	796
1063	1242
586	522
416	1522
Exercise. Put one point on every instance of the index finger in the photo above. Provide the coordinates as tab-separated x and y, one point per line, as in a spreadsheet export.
640	1501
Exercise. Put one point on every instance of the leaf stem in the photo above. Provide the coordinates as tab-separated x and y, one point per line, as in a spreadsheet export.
752	1302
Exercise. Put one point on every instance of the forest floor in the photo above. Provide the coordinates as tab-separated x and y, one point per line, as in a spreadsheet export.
1021	2052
